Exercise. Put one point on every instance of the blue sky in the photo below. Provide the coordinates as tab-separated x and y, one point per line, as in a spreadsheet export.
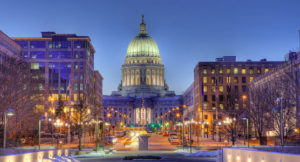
186	31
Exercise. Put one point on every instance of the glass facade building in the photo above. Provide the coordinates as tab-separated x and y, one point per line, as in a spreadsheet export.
64	64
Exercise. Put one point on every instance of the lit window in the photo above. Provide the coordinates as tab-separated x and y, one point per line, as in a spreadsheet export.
228	80
205	88
204	71
258	71
221	89
236	70
34	66
205	105
213	88
243	71
213	106
250	79
75	97
204	79
251	71
236	106
75	87
213	71
81	86
266	70
236	80
221	70
228	71
221	106
213	80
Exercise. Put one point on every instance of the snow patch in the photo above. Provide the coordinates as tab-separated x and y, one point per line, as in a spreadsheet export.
199	153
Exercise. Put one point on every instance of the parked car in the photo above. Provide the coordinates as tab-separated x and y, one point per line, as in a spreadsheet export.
172	134
174	140
110	140
166	134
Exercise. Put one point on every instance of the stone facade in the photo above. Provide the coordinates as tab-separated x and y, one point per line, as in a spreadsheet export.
143	96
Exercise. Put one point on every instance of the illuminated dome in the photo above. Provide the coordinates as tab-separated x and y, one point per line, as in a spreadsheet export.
142	45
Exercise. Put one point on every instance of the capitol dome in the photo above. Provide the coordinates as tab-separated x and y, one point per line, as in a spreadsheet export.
142	45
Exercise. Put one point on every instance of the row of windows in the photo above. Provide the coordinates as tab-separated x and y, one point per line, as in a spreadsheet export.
40	65
53	44
235	71
53	55
228	88
221	106
228	80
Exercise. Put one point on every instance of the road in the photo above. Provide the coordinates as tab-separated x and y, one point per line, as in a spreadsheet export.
158	146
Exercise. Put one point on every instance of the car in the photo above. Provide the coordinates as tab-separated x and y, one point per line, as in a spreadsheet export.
120	134
166	134
110	140
172	134
174	140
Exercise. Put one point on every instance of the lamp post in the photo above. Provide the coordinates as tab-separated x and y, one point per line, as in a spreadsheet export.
244	116
41	118
10	112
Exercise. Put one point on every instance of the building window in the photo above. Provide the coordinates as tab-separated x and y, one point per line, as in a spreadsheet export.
75	76
213	71
25	54
236	106
220	79
75	87
221	98
213	106
81	76
75	97
221	89
251	71
205	106
258	70
37	44
81	54
221	106
266	70
81	65
65	54
22	43
244	88
236	70
221	71
250	79
53	54
243	79
236	80
205	98
236	89
204	71
228	71
205	117
228	80
213	88
205	88
213	98
81	86
213	80
204	79
37	55
76	65
243	71
34	66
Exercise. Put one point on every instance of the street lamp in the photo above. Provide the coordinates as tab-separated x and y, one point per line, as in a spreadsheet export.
244	116
10	112
41	118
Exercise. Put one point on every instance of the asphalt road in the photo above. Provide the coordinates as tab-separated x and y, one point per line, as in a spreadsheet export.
158	146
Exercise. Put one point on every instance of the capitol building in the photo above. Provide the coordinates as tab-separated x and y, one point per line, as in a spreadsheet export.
143	96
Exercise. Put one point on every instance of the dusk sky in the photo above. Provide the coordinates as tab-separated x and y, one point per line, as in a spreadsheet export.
186	31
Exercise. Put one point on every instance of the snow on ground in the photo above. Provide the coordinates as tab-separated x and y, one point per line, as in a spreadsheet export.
198	153
91	154
61	159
